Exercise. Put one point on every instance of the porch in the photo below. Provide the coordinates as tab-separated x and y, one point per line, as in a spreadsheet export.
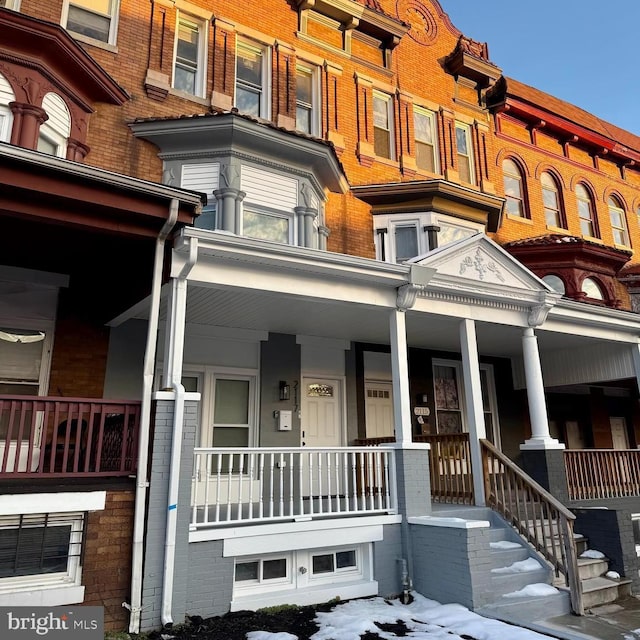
52	437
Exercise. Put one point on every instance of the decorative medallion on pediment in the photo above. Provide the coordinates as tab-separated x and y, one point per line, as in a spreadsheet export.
485	268
423	26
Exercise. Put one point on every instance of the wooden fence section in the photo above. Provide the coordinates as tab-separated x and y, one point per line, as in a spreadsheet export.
450	468
539	518
595	474
67	437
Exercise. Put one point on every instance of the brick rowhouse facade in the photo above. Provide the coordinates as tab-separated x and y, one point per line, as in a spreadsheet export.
376	65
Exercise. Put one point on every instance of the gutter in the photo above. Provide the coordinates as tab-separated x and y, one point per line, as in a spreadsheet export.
142	482
176	445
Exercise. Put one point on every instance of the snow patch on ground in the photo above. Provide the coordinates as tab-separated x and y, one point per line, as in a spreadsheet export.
519	567
425	619
539	589
504	544
593	554
267	635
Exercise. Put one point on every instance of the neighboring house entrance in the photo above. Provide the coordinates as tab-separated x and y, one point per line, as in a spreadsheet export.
378	409
619	434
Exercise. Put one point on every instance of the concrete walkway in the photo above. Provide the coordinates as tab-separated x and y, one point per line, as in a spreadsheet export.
616	621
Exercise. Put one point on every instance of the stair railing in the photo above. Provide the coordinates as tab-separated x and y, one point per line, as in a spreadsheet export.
538	517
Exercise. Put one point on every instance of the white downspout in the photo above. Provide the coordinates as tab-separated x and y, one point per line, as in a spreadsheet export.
175	375
142	483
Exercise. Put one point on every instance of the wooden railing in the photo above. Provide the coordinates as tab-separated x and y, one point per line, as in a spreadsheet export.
244	485
539	518
597	474
70	437
450	468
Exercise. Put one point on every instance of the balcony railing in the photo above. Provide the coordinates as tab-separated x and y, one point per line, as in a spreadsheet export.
599	474
63	437
245	485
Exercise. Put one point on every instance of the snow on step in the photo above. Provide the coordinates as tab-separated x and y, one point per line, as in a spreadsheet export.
504	544
531	590
593	554
519	567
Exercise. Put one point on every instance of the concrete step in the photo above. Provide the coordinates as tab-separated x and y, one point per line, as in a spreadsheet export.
592	568
503	557
601	590
503	583
582	543
525	609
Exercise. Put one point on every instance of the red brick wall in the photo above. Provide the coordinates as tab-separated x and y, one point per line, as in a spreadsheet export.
107	558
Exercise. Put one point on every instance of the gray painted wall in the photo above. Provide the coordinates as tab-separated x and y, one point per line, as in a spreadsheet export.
125	361
279	360
386	556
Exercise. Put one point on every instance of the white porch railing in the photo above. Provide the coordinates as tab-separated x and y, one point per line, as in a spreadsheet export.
247	485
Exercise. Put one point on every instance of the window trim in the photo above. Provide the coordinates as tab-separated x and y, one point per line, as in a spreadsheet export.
314	106
562	218
388	99
521	199
264	100
462	126
73	574
14	5
592	220
272	213
614	205
113	24
432	117
200	76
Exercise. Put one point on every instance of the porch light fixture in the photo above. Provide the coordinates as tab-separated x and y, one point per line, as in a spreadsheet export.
285	390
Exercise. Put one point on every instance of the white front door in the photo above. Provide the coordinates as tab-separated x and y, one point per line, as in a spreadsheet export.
379	409
619	433
321	421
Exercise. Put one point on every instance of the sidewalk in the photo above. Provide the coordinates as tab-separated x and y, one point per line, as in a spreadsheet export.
615	621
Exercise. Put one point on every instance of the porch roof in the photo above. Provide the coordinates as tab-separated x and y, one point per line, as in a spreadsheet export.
248	284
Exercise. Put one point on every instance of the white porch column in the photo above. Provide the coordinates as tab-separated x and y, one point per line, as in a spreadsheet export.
635	353
174	338
540	436
400	375
473	402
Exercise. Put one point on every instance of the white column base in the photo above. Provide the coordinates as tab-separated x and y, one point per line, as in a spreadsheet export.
541	443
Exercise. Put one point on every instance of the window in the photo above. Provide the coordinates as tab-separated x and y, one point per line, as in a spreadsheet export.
207	218
551	201
6	117
266	226
618	222
586	212
513	189
54	132
635	524
448	397
334	563
189	64
259	571
251	74
232	411
405	241
424	123
21	352
95	19
555	282
10	4
592	289
464	150
307	111
382	125
40	550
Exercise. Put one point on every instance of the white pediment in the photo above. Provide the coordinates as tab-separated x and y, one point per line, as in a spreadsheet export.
479	262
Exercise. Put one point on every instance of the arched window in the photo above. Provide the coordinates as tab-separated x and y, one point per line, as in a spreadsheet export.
6	117
618	222
552	202
514	189
592	289
55	131
555	282
586	212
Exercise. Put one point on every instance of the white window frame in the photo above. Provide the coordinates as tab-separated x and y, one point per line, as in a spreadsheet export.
244	587
12	4
337	575
388	100
273	213
264	90
113	23
200	76
6	121
207	376
614	205
461	126
73	574
431	116
384	243
314	106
